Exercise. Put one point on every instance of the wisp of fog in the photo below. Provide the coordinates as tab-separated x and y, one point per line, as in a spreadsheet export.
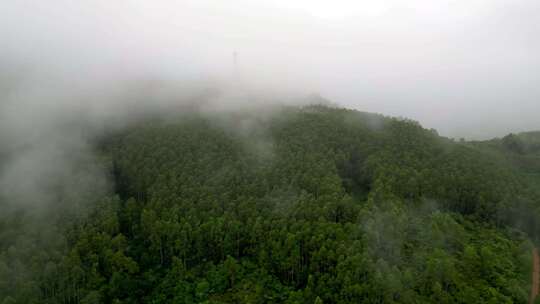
70	69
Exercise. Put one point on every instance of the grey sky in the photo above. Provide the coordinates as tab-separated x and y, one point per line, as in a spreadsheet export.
467	68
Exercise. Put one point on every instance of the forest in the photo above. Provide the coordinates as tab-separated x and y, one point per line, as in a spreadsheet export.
304	205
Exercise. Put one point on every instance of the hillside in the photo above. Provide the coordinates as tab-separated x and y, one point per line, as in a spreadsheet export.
302	205
521	152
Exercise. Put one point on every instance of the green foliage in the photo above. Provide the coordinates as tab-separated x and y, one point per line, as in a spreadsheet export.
311	205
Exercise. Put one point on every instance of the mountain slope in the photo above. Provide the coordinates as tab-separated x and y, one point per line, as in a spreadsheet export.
302	205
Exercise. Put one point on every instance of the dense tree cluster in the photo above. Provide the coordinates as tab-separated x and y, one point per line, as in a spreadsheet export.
307	205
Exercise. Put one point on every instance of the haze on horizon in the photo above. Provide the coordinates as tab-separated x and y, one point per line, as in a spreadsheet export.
466	68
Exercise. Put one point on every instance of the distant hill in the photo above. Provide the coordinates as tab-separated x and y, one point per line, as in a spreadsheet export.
522	150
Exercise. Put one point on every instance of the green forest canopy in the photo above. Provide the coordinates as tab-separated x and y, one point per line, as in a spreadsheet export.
308	205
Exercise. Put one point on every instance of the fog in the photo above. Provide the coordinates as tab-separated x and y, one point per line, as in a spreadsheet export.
72	70
69	69
466	68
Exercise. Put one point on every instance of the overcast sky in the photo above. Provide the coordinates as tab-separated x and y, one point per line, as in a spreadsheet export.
464	67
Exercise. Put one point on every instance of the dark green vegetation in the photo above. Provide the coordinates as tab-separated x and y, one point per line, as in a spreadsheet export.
308	205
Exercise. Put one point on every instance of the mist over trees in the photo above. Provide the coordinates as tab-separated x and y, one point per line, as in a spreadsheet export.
304	204
192	151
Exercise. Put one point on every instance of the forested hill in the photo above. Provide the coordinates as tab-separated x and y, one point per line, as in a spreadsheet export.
522	150
304	205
